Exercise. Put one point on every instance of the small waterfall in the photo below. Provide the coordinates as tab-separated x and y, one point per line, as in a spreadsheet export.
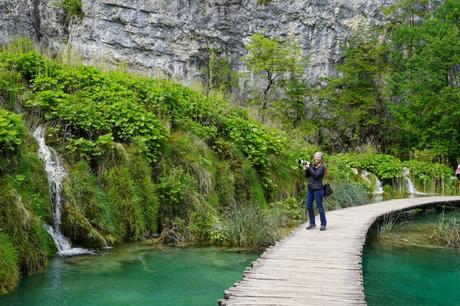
378	186
410	186
365	176
56	174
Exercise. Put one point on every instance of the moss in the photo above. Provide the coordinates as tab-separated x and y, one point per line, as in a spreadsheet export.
9	268
76	226
25	205
225	186
248	187
141	173
25	230
88	216
27	175
125	193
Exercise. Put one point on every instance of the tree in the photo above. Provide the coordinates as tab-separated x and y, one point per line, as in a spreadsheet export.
275	61
218	72
425	103
356	98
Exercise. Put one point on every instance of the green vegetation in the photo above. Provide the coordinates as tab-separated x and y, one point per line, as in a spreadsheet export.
24	207
399	83
147	156
11	132
263	2
72	8
9	273
421	227
281	65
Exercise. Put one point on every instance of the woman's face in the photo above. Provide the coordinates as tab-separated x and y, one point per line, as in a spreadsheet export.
317	159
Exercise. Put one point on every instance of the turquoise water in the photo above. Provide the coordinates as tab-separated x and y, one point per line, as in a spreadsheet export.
134	275
411	276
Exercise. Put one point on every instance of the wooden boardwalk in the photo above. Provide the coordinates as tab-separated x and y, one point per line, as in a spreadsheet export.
318	268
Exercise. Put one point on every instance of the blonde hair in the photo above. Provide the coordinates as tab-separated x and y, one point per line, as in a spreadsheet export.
321	155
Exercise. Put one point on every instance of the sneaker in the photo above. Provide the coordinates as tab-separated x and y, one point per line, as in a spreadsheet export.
322	228
309	227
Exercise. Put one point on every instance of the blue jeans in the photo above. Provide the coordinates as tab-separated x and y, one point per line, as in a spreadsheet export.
317	196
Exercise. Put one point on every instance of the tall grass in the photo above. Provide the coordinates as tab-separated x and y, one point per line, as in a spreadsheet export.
24	228
346	194
387	225
447	231
254	227
9	269
24	206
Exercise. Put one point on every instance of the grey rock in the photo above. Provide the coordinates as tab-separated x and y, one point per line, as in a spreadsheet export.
170	37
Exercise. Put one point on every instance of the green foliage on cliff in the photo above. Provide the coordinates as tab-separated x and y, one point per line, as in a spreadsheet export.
281	66
11	132
24	207
72	8
397	88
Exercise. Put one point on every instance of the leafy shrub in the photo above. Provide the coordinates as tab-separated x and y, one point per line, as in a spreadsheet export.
382	165
428	176
10	87
11	132
73	8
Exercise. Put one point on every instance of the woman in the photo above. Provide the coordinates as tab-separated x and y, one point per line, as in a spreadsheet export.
315	190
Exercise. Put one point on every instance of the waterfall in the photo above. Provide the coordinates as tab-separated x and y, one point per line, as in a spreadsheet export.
410	186
378	186
56	174
365	176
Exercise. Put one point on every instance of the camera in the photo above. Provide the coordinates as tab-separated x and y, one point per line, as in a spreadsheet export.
303	162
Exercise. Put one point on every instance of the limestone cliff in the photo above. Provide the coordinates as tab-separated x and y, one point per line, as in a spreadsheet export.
171	36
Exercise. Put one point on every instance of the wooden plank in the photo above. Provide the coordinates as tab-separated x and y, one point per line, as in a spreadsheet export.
317	268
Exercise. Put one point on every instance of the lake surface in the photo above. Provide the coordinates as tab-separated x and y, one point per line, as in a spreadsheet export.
411	275
135	274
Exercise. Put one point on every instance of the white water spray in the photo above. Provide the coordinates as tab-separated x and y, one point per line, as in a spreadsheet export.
56	174
409	185
378	187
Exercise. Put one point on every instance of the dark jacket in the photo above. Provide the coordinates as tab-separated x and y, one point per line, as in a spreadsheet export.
315	175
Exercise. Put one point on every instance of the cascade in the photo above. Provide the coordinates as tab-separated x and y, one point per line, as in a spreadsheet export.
56	174
378	188
410	186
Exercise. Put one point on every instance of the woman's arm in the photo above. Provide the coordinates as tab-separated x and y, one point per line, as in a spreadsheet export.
316	173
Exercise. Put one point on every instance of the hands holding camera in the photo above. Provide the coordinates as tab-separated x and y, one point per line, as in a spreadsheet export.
304	164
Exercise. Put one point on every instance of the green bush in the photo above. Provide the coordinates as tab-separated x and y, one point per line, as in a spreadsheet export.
11	87
430	177
382	165
11	132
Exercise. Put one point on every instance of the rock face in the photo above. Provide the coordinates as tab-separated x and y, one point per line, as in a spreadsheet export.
171	36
